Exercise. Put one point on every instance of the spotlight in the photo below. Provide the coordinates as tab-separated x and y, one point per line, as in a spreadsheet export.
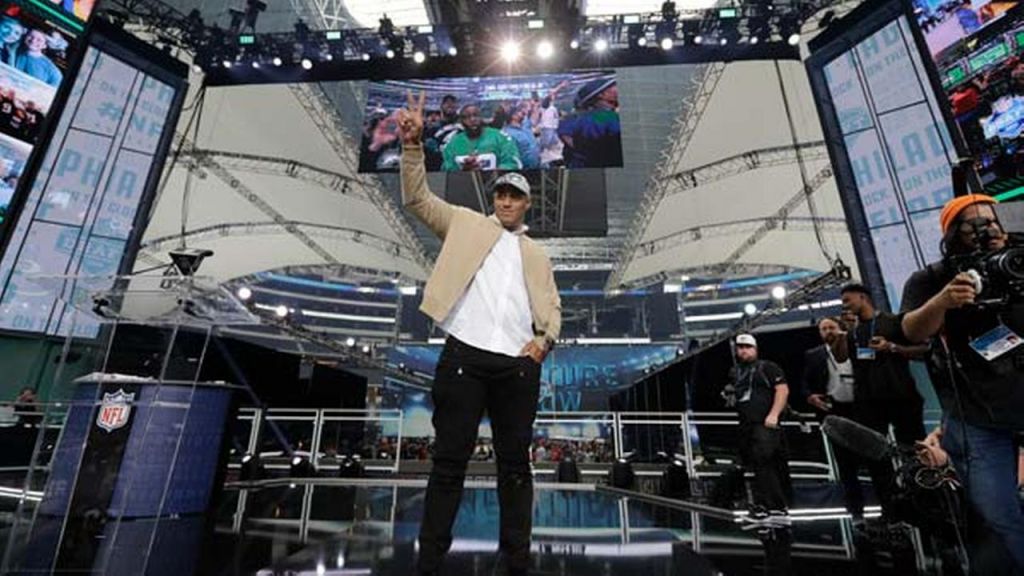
366	348
197	68
621	475
252	468
419	57
698	39
244	293
226	63
723	41
667	43
300	467
389	54
753	39
453	51
510	51
779	292
255	64
675	482
307	64
350	342
568	472
750	309
277	61
545	49
351	466
575	44
365	57
642	41
793	39
600	45
281	311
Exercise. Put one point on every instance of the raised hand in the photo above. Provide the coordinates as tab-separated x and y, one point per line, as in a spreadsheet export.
410	119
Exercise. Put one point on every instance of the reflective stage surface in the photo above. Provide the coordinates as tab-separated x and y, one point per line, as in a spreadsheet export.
371	529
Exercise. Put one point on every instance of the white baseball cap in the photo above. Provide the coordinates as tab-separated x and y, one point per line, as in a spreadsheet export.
746	340
515	180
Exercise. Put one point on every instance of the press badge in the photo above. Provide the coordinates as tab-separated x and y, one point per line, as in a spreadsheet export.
865	353
996	342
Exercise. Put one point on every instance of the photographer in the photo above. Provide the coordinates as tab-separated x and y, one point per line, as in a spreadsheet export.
978	369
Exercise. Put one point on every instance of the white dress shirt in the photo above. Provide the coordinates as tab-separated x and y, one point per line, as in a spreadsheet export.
494	313
840	378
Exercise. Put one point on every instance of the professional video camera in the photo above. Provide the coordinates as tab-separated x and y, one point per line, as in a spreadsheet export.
998	276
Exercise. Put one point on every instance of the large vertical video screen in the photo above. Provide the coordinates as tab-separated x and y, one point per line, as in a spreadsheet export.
499	123
34	56
977	47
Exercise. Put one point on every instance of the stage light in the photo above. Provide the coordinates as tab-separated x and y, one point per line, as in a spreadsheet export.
197	68
300	468
753	39
244	293
642	41
419	57
698	39
453	51
281	311
255	64
226	63
779	292
366	349
675	482
350	342
621	474
545	49
307	64
575	44
667	43
510	51
329	57
750	309
252	468
793	39
600	45
365	57
276	60
320	569
723	41
389	54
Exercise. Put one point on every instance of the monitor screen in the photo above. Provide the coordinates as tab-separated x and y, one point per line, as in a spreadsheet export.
499	123
34	54
946	22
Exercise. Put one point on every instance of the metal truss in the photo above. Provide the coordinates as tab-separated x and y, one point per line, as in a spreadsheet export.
323	114
757	227
808	293
705	271
345	273
275	166
333	15
781	217
745	162
310	229
685	126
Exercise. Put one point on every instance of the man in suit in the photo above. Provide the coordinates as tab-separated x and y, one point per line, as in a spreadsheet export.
828	388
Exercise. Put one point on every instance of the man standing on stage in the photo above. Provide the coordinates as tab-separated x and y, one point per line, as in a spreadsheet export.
761	394
493	291
885	392
828	388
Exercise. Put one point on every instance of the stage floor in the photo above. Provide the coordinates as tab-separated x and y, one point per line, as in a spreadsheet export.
326	527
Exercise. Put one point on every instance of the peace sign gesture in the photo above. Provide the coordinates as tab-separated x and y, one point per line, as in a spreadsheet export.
410	118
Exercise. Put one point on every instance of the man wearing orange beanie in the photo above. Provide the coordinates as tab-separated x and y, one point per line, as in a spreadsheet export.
979	377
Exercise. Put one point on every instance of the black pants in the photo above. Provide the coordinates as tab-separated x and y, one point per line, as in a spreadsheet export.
467	382
848	465
907	419
763	451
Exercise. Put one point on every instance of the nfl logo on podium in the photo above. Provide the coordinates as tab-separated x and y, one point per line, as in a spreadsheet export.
115	410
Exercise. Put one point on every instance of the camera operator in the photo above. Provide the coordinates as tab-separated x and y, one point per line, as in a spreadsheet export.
978	366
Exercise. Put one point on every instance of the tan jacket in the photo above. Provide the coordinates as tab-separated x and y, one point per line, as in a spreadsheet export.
468	237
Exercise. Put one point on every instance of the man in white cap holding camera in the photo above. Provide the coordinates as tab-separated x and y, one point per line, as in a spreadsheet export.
493	291
760	393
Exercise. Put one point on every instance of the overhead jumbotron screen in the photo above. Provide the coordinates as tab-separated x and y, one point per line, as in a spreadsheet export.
499	123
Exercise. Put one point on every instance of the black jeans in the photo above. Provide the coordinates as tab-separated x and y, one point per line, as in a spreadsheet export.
763	451
467	382
848	465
